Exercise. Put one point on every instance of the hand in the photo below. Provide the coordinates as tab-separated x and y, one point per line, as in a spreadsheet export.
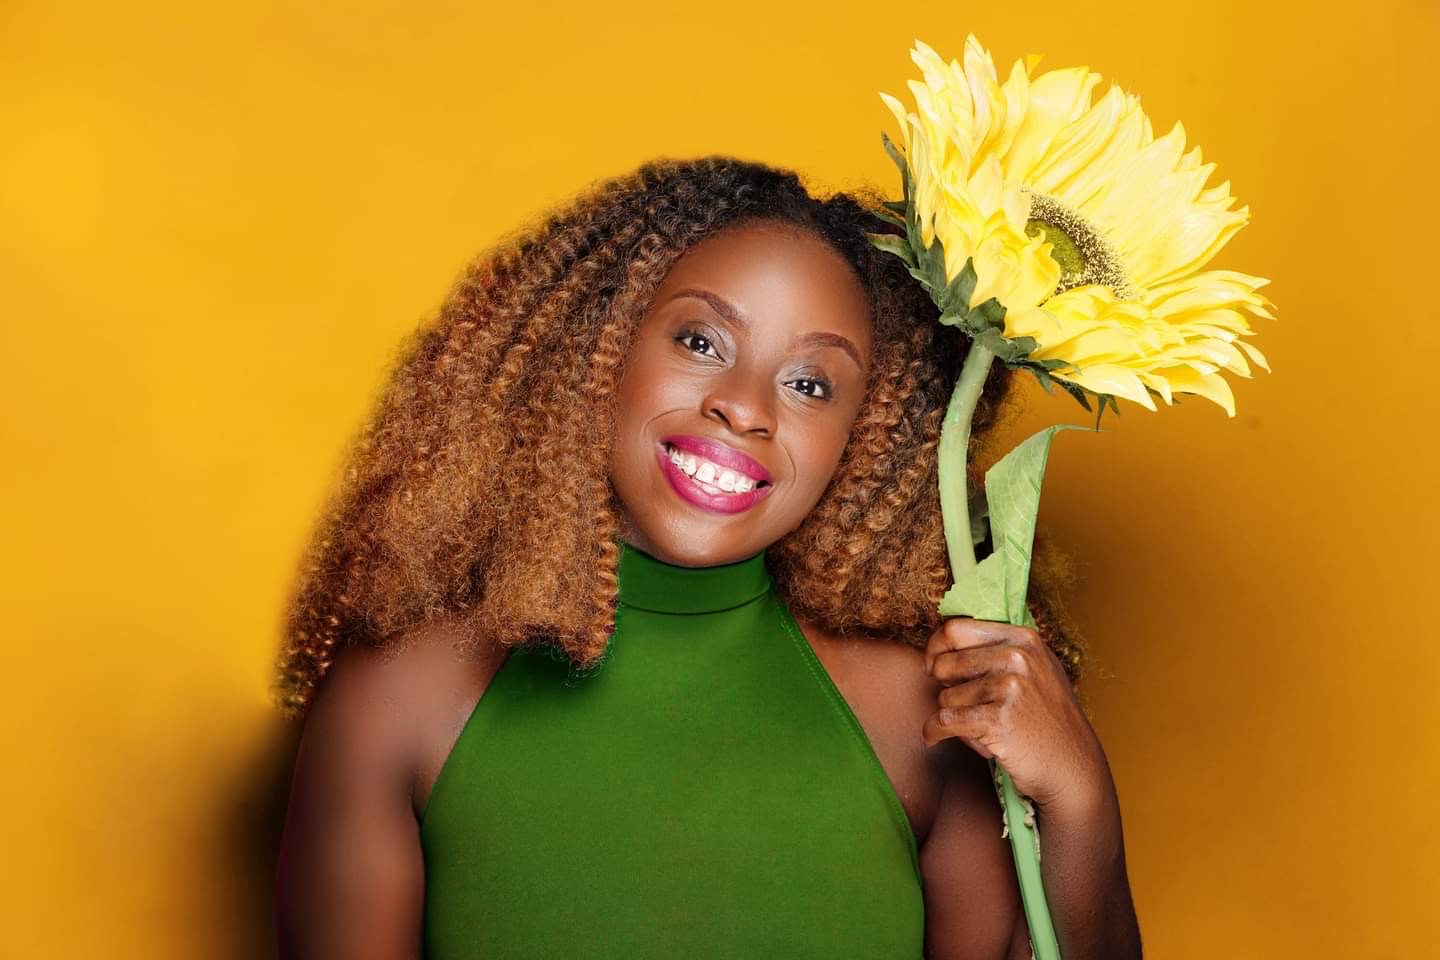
1007	696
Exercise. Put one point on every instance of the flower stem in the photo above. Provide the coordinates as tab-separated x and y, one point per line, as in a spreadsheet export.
955	514
954	447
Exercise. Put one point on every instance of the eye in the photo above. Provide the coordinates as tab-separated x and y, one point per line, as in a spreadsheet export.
699	343
813	387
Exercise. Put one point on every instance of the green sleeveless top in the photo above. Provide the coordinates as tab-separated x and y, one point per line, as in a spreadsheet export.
705	793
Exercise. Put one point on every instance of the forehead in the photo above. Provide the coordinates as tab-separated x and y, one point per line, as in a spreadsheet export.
777	274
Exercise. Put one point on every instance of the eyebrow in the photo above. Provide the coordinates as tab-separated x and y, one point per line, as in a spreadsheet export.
726	309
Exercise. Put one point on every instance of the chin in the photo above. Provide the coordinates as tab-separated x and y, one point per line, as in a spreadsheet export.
686	546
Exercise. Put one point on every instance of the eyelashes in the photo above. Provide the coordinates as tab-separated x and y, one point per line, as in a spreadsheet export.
684	334
819	388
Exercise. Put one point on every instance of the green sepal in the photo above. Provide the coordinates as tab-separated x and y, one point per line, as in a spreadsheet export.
899	159
992	314
893	244
1106	399
919	274
932	261
1011	352
897	219
959	290
1078	392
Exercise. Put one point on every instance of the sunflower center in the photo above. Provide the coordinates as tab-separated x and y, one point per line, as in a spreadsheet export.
1083	253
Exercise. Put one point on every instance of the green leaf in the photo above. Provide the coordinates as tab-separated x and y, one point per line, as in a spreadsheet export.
996	587
980	593
893	244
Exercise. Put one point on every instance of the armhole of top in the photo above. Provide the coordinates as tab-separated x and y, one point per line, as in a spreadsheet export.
452	759
847	716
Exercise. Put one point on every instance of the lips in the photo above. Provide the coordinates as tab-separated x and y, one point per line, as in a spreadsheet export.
714	499
717	452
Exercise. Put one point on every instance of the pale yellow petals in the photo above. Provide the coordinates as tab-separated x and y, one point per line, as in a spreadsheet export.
1100	336
1091	182
1256	357
1078	146
1056	98
988	100
1149	321
1157	383
1211	386
1012	268
902	118
1017	96
1183	245
1114	379
1036	322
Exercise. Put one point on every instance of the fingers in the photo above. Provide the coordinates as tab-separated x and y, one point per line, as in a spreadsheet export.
964	633
1015	654
974	725
990	688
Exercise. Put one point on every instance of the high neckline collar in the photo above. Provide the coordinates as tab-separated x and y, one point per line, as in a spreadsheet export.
648	583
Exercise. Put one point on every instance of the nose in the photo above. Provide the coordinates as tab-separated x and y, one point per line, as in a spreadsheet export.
741	400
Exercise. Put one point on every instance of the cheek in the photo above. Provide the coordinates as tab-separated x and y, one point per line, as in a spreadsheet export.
651	389
819	455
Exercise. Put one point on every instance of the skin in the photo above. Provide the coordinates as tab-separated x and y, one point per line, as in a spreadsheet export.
720	353
716	355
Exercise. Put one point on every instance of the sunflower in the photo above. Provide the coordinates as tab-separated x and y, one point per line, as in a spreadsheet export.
1087	232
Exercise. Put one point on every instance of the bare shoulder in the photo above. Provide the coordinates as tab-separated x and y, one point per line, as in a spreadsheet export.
350	873
404	703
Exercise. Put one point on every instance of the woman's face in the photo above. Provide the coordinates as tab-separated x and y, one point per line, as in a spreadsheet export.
739	393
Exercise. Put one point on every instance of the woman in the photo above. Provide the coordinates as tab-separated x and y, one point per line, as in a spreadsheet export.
635	574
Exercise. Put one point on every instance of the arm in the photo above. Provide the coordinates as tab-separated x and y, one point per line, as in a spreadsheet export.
1082	864
1007	697
972	897
350	880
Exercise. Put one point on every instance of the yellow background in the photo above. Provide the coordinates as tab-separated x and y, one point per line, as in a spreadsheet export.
216	224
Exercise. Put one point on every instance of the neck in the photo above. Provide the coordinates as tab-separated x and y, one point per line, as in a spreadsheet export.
649	583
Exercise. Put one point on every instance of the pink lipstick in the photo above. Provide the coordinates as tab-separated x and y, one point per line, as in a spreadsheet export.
723	465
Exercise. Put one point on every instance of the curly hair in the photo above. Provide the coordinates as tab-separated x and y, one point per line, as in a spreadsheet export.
493	432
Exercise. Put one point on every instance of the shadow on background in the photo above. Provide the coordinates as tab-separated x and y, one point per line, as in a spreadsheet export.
250	831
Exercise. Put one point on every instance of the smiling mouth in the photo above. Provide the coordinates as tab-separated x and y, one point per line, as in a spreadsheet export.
712	477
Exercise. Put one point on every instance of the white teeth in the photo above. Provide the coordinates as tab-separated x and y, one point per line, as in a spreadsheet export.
710	476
